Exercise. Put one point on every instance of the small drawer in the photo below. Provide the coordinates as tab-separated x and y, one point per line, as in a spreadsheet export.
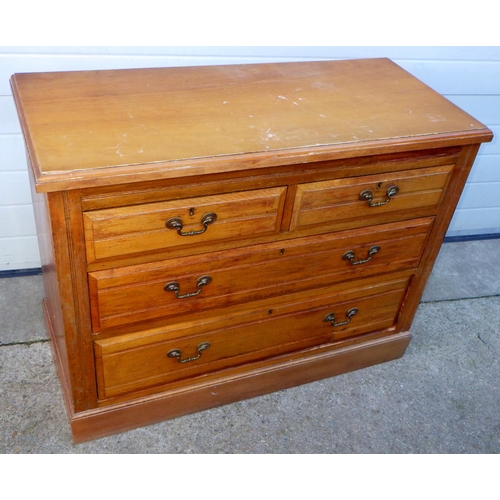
202	284
373	199
143	360
205	220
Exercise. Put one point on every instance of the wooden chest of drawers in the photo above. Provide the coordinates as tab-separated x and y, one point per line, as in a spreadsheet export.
211	234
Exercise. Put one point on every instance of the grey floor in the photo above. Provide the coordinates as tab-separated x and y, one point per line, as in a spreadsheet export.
443	396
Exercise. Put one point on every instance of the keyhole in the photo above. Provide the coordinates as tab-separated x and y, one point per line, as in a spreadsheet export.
282	251
379	185
191	211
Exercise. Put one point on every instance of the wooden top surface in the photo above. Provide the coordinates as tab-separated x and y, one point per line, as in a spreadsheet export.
89	125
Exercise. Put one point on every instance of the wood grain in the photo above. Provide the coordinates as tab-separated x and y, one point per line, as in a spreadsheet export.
136	293
123	368
142	228
281	153
162	116
339	200
284	372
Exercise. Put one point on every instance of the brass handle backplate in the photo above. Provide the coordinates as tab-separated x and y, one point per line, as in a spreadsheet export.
176	353
173	286
330	318
367	196
350	256
176	223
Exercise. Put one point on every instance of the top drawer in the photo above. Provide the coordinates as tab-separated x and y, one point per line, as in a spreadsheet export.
371	199
149	227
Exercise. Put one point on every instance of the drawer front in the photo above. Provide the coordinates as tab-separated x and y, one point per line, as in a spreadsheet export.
373	199
202	284
150	227
139	361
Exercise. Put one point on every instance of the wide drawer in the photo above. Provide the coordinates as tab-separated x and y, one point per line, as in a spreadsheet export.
146	359
371	199
202	284
150	227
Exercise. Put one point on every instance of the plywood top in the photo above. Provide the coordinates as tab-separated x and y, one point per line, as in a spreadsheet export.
89	125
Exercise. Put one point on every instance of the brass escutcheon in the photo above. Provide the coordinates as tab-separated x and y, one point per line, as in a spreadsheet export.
330	318
367	196
177	224
350	256
176	353
173	286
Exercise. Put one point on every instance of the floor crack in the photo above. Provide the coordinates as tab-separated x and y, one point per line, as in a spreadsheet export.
25	342
483	341
437	301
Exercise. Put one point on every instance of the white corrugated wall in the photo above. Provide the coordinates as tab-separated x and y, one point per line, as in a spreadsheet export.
468	76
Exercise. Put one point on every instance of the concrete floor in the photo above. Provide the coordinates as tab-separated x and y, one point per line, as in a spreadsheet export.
443	396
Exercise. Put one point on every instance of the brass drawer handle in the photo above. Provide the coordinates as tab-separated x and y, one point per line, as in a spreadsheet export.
350	313
176	353
176	223
367	196
173	286
350	256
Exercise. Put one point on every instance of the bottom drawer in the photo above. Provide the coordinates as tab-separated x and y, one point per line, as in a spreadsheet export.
146	359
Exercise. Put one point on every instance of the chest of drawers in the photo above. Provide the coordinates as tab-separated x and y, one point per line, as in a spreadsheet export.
215	233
